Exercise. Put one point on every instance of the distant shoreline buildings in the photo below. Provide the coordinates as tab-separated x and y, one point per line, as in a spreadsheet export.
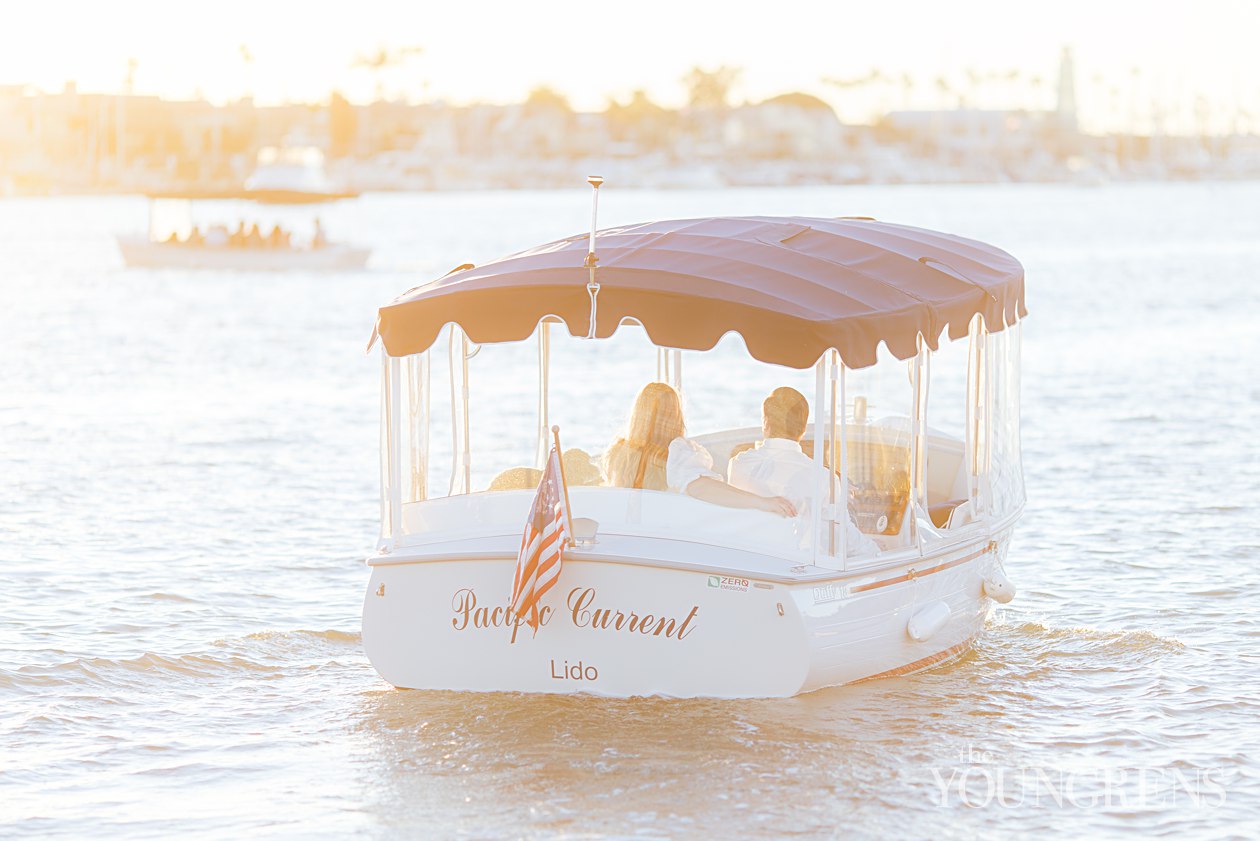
71	142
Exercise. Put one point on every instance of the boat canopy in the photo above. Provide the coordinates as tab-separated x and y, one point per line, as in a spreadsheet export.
792	287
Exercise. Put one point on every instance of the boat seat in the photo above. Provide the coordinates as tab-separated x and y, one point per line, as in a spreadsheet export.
516	479
943	512
962	515
579	470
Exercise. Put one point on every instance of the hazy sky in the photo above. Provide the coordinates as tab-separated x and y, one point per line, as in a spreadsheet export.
1199	59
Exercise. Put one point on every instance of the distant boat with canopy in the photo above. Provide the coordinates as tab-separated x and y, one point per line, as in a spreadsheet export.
284	176
907	342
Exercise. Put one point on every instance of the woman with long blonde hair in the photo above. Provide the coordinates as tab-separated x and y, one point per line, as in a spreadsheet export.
653	454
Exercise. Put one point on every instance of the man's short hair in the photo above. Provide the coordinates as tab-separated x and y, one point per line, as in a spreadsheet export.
786	413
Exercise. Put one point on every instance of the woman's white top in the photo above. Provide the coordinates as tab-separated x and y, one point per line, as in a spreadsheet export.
687	462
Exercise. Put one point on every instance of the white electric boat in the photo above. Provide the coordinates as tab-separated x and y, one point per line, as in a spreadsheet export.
664	594
139	252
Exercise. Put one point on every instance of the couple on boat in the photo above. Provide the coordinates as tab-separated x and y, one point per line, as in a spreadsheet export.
775	476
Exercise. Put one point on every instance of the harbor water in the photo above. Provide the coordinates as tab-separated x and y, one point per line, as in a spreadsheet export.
188	486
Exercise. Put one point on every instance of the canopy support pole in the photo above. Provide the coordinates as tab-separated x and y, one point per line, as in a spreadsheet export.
428	417
973	410
820	466
544	392
918	440
991	364
981	404
831	467
669	368
461	469
464	357
843	513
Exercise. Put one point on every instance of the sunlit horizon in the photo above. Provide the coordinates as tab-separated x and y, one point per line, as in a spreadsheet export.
1193	71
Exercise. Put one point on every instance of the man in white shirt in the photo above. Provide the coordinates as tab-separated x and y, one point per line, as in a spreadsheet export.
778	467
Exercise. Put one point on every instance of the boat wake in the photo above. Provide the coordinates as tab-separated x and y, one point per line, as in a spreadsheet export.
1093	638
257	654
1030	646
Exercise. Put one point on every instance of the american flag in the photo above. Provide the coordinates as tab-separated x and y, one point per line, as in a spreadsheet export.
542	544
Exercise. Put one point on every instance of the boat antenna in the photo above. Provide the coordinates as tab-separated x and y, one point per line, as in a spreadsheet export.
592	285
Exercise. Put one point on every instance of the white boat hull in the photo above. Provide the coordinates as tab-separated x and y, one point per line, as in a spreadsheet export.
140	253
630	628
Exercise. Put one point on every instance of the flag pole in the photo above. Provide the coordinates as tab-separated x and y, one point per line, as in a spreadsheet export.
564	483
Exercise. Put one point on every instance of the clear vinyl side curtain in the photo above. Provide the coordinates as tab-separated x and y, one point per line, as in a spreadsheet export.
384	449
405	406
416	372
1006	470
